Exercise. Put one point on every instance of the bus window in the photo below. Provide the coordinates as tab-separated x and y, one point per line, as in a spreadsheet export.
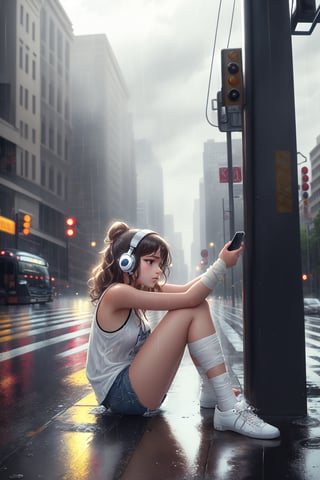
6	274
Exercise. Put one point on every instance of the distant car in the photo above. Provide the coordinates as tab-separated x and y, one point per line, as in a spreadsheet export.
311	306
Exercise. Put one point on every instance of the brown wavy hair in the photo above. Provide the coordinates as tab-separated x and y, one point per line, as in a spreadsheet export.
117	242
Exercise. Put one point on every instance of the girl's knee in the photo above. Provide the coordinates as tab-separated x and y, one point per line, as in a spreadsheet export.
204	306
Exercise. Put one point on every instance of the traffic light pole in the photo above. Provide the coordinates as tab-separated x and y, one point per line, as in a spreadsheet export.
16	233
231	204
274	351
67	259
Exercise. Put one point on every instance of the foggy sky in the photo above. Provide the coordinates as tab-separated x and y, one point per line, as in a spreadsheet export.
164	50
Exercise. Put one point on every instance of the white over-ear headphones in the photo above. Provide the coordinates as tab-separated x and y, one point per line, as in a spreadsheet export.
127	261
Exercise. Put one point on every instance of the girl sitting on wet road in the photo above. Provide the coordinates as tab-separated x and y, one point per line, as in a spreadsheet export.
131	368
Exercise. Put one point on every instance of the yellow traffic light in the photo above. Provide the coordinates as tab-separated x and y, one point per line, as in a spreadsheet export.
232	77
26	224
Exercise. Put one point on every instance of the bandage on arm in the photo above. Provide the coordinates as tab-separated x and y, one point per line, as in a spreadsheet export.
214	273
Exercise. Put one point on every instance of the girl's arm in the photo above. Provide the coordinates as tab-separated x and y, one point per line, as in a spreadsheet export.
225	255
122	296
172	288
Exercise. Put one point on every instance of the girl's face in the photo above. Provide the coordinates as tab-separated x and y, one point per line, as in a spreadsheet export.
149	270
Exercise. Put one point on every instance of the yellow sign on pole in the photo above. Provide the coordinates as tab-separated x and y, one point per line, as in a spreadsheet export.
284	195
7	225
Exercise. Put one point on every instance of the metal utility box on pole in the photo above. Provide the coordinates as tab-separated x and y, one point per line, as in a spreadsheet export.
274	353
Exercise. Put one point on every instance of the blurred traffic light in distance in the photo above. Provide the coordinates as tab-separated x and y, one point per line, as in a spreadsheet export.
71	225
305	184
204	256
24	223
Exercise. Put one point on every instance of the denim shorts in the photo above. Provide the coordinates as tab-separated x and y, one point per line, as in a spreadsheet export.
121	397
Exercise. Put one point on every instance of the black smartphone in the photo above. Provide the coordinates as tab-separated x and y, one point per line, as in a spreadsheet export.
236	241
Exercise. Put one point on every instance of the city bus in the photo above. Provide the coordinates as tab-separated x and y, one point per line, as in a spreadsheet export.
24	278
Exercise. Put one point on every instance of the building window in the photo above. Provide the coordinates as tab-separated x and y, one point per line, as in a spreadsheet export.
43	132
26	164
51	35
51	138
66	110
65	188
43	87
51	179
21	96
27	22
59	144
59	184
33	135
26	131
21	129
43	25
21	163
27	63
59	44
26	99
34	104
34	69
43	174
51	95
33	167
21	56
21	14
67	57
59	101
33	31
66	150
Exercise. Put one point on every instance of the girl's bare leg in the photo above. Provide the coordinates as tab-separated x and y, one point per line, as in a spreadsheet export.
156	364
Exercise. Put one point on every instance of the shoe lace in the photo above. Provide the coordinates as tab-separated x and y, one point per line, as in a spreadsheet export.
248	413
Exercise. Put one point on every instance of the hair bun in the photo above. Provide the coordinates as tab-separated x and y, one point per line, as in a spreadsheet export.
115	230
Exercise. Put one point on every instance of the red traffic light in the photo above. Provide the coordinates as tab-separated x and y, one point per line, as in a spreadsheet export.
304	182
204	253
71	224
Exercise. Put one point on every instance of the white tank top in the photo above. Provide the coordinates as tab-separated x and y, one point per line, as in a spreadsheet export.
110	352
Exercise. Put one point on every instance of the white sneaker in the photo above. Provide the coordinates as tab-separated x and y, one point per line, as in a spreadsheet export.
241	419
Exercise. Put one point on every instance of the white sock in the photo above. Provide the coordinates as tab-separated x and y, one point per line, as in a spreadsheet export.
207	351
226	398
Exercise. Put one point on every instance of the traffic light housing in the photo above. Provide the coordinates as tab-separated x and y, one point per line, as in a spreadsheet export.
305	184
204	257
24	221
232	77
71	227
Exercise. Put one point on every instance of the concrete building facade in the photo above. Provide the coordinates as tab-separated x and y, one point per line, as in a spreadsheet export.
66	138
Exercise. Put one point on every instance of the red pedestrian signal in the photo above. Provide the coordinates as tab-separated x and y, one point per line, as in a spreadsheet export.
71	225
